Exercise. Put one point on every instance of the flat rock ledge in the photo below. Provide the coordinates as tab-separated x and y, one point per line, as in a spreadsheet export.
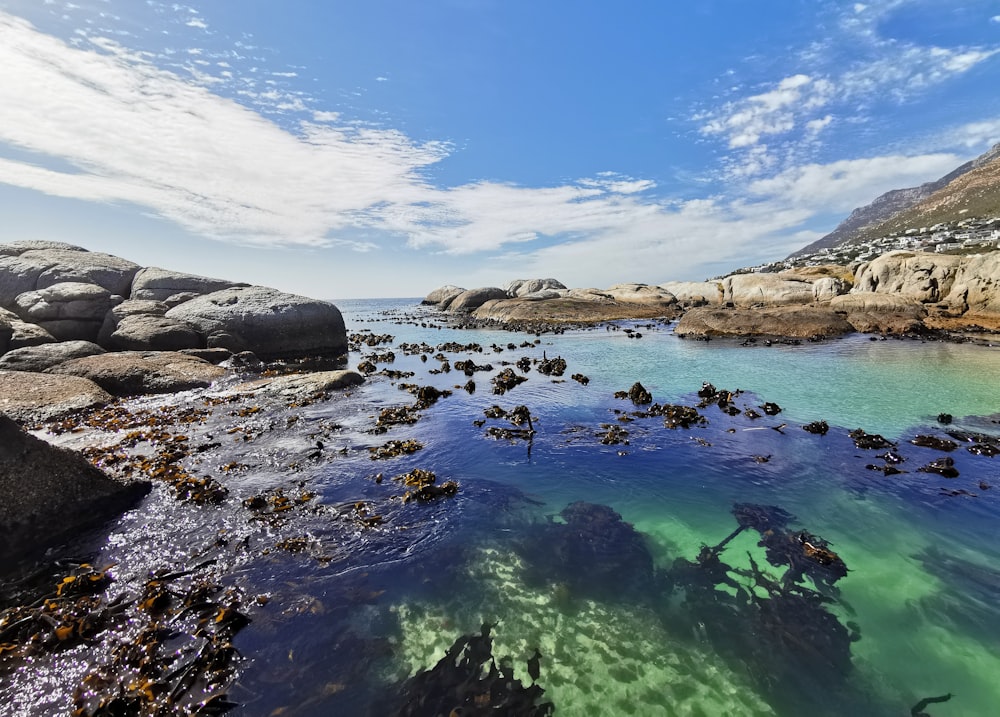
29	397
797	322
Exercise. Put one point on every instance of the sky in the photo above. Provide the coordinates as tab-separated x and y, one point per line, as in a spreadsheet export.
384	148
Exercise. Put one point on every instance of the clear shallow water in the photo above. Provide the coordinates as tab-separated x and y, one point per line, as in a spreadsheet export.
338	634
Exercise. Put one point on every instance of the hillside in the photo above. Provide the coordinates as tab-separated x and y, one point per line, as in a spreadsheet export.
971	190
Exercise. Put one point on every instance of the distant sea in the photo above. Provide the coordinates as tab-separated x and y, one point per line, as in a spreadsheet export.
917	614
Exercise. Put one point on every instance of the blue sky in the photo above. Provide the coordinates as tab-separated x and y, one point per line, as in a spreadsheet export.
387	147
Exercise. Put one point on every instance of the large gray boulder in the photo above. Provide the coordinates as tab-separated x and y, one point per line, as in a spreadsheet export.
45	356
173	287
18	247
268	322
766	290
67	310
523	287
129	373
695	293
472	299
976	287
442	296
641	294
32	397
871	312
6	333
141	325
40	268
48	494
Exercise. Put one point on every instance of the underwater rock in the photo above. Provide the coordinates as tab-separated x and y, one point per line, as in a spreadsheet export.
593	553
551	367
639	395
869	441
819	428
505	381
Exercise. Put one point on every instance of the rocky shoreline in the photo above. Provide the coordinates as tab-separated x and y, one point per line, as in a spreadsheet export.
900	293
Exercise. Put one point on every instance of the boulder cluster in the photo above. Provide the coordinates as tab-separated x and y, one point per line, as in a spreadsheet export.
78	327
901	292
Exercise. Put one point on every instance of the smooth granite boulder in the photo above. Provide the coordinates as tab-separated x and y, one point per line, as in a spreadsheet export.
174	287
18	247
41	268
129	373
48	494
695	293
641	294
870	312
472	299
146	332
68	311
523	287
442	296
45	356
977	284
30	397
6	333
766	290
268	322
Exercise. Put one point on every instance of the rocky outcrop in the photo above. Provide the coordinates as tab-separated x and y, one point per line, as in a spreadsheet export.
35	269
976	285
801	322
766	290
174	287
869	312
472	299
129	373
49	493
141	325
30	397
67	310
268	322
45	356
522	287
567	310
920	276
305	386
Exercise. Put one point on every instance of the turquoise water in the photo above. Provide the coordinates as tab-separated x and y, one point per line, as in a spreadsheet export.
908	547
623	623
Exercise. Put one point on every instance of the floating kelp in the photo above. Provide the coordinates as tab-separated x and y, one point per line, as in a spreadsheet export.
506	380
395	416
427	396
423	486
551	367
819	428
394	449
592	552
942	466
869	441
580	379
613	435
522	427
468	681
469	367
938	444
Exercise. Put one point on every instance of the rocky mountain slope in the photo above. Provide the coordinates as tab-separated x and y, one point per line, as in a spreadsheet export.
971	190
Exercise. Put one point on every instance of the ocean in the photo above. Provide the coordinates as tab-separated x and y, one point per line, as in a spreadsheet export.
716	560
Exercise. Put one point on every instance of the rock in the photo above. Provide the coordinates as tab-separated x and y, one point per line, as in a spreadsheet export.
45	356
6	333
870	312
146	332
36	269
976	288
442	296
68	310
25	334
923	277
472	299
266	321
544	294
128	373
641	294
173	287
828	288
32	397
766	290
564	309
783	321
590	295
48	494
16	248
298	387
522	287
695	293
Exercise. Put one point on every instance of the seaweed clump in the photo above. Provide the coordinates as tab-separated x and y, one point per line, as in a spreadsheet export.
468	681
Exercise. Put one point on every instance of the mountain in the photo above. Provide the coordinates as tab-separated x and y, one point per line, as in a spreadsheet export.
971	190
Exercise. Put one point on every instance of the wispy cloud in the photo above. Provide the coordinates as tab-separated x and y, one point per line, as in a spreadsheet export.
840	79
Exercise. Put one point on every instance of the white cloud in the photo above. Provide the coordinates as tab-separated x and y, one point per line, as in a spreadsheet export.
995	18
